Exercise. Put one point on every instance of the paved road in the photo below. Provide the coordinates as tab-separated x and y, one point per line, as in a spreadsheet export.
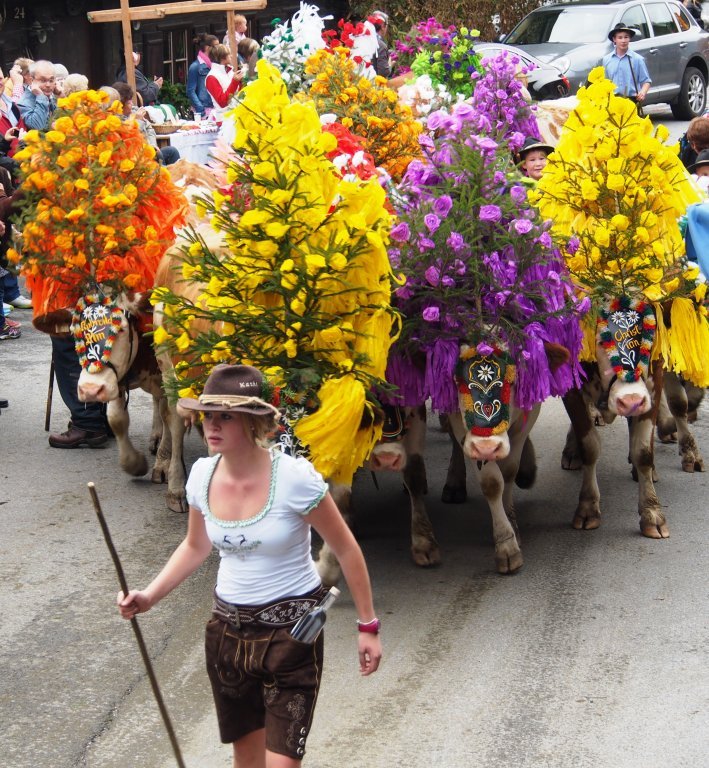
593	656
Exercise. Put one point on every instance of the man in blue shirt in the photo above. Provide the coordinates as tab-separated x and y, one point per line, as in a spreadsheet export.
39	102
626	68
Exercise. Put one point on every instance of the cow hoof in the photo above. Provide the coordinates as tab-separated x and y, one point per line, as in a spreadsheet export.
158	476
671	438
586	523
177	502
570	460
509	564
689	464
427	556
136	465
453	495
655	530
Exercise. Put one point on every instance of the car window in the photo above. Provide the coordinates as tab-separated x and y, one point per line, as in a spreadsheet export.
661	19
682	16
635	19
563	25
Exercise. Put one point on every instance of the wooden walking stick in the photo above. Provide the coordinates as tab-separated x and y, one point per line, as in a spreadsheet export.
136	629
50	393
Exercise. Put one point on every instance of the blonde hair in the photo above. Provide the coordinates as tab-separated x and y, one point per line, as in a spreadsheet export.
261	427
74	83
24	64
219	52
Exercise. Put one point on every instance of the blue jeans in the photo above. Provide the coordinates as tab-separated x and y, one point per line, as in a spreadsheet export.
88	416
10	287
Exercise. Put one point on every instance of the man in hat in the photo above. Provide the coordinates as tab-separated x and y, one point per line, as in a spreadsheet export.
626	68
532	158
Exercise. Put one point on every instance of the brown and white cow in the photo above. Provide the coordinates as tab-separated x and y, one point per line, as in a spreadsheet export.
132	362
400	450
621	383
491	431
110	372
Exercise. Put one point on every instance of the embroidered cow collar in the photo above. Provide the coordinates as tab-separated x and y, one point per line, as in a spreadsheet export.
485	384
95	325
626	329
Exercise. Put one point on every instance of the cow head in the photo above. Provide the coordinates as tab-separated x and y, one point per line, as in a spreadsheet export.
106	339
485	387
389	453
626	331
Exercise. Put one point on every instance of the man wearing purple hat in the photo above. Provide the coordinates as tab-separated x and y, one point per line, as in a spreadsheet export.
626	68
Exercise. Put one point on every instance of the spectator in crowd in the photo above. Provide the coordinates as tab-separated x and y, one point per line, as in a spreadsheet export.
11	128
9	329
148	91
74	83
626	68
197	73
9	284
381	62
240	26
532	158
38	103
248	56
695	139
60	75
20	78
125	94
223	81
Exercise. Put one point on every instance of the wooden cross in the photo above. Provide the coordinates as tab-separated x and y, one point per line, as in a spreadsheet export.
125	14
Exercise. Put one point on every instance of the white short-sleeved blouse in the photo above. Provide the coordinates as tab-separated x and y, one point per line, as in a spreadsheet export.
267	556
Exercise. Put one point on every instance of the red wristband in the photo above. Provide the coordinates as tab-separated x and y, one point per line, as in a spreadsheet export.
372	627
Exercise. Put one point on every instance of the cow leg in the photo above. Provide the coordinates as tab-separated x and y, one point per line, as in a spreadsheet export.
695	395
588	512
156	429
326	563
508	555
163	453
678	405
571	455
652	520
455	490
666	426
131	460
424	547
176	475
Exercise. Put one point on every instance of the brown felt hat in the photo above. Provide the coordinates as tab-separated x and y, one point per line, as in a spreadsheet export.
232	389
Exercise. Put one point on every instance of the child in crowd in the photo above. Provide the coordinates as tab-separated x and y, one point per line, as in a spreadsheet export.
532	157
695	139
700	170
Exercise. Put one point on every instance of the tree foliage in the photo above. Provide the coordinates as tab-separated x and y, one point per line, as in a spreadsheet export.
489	16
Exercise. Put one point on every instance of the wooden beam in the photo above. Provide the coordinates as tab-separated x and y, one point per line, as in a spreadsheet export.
128	43
175	9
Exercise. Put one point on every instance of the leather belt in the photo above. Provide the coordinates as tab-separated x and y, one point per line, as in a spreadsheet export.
283	613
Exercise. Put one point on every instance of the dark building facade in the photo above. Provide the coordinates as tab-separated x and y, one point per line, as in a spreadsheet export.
61	32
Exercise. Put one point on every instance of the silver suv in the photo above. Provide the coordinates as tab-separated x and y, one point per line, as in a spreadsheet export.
574	37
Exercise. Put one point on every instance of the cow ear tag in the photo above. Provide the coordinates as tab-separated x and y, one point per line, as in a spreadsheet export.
95	325
484	385
626	328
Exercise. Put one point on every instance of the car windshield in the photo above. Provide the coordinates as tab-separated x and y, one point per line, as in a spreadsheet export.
563	25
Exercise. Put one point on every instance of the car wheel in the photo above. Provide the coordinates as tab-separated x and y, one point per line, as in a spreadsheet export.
692	99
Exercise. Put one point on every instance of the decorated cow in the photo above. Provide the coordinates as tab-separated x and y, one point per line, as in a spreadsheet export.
614	192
